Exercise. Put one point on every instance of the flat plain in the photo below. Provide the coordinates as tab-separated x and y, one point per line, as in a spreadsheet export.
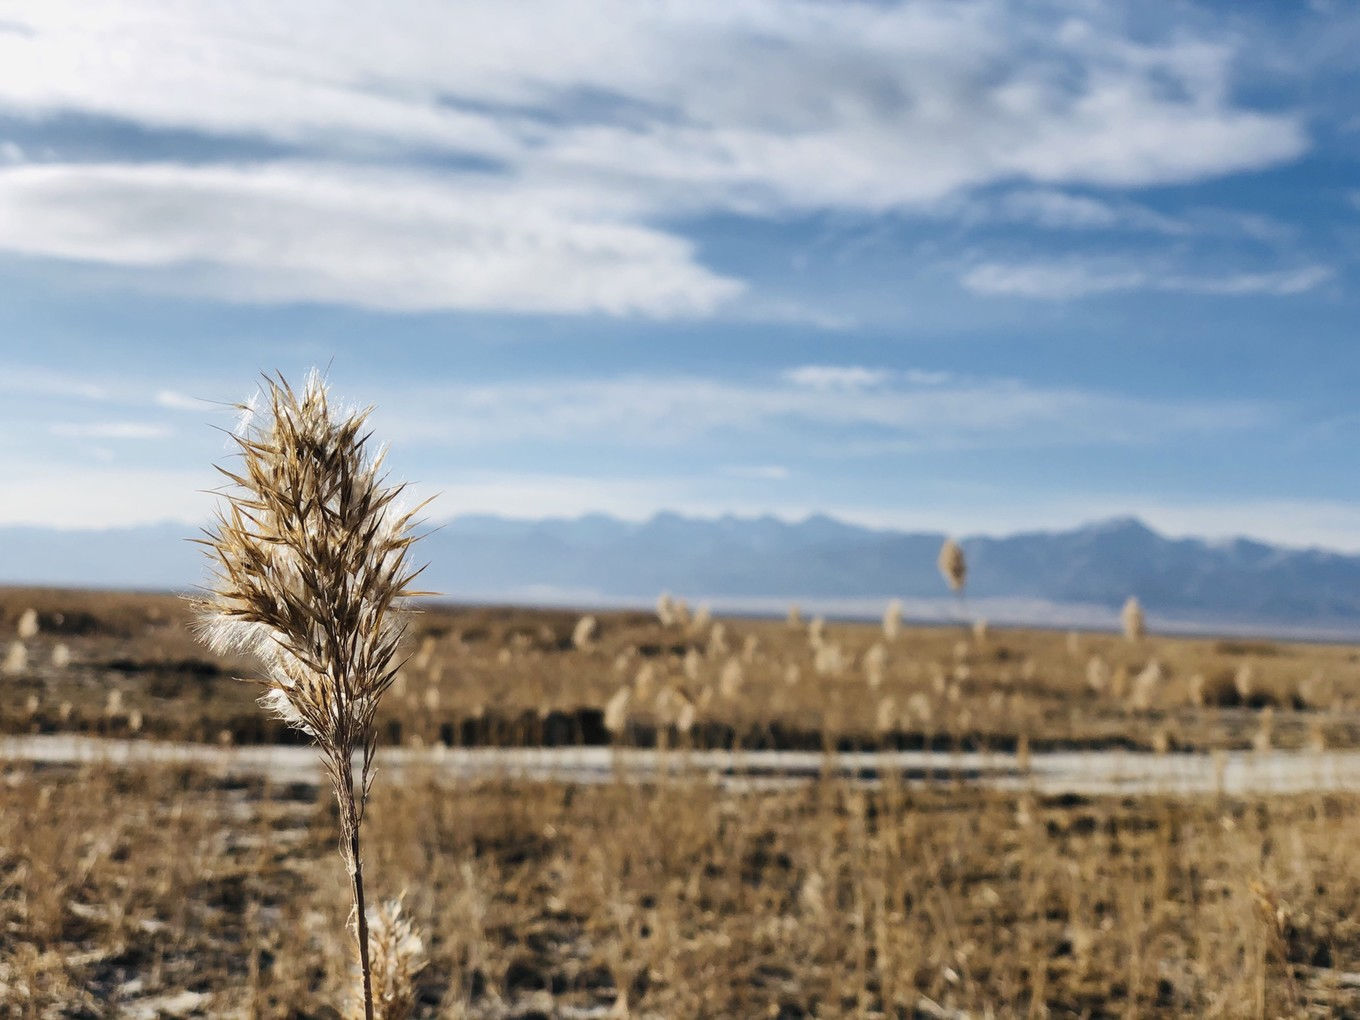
145	889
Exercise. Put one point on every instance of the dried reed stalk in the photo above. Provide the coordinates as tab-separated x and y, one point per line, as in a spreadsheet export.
311	570
953	568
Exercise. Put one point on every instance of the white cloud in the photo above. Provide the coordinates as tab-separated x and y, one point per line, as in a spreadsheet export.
109	430
816	102
66	496
379	239
23	380
758	472
1070	279
598	123
836	377
177	401
1048	280
1058	210
1281	283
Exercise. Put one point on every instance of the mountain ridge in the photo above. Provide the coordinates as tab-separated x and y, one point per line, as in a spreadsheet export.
493	557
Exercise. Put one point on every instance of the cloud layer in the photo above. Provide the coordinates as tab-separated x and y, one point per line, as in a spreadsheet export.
819	410
541	156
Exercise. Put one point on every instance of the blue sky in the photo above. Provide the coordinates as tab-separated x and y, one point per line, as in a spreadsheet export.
969	266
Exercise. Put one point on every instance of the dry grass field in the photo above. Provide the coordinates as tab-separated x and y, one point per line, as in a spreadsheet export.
124	664
164	891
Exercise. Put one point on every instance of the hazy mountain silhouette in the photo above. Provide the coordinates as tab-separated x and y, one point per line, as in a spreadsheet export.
488	557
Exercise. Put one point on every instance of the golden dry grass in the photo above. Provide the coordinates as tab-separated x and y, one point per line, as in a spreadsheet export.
123	888
163	889
513	676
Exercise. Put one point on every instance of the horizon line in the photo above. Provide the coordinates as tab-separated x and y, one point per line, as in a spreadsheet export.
786	519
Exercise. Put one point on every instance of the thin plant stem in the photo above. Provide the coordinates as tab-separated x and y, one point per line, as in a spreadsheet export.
356	869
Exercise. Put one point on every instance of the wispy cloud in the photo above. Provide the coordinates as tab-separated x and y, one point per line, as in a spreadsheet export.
836	377
758	472
110	430
60	496
1280	283
1059	210
378	238
1071	279
177	401
27	380
897	414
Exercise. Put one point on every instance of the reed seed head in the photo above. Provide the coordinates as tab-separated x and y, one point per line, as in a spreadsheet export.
665	609
1132	620
311	563
398	956
953	566
892	620
28	625
616	711
583	634
16	659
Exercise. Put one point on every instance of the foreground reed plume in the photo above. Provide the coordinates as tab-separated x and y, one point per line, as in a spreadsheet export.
311	572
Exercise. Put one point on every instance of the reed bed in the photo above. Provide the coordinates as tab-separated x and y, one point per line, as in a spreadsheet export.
158	891
124	665
169	892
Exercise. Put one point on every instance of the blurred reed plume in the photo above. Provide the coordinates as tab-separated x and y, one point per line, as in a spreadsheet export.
953	567
892	620
583	634
816	632
28	625
16	659
1097	674
665	609
1145	686
398	955
875	664
1132	620
731	678
616	711
311	570
703	618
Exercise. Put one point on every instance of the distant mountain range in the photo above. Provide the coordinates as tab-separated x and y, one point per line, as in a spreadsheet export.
1076	577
